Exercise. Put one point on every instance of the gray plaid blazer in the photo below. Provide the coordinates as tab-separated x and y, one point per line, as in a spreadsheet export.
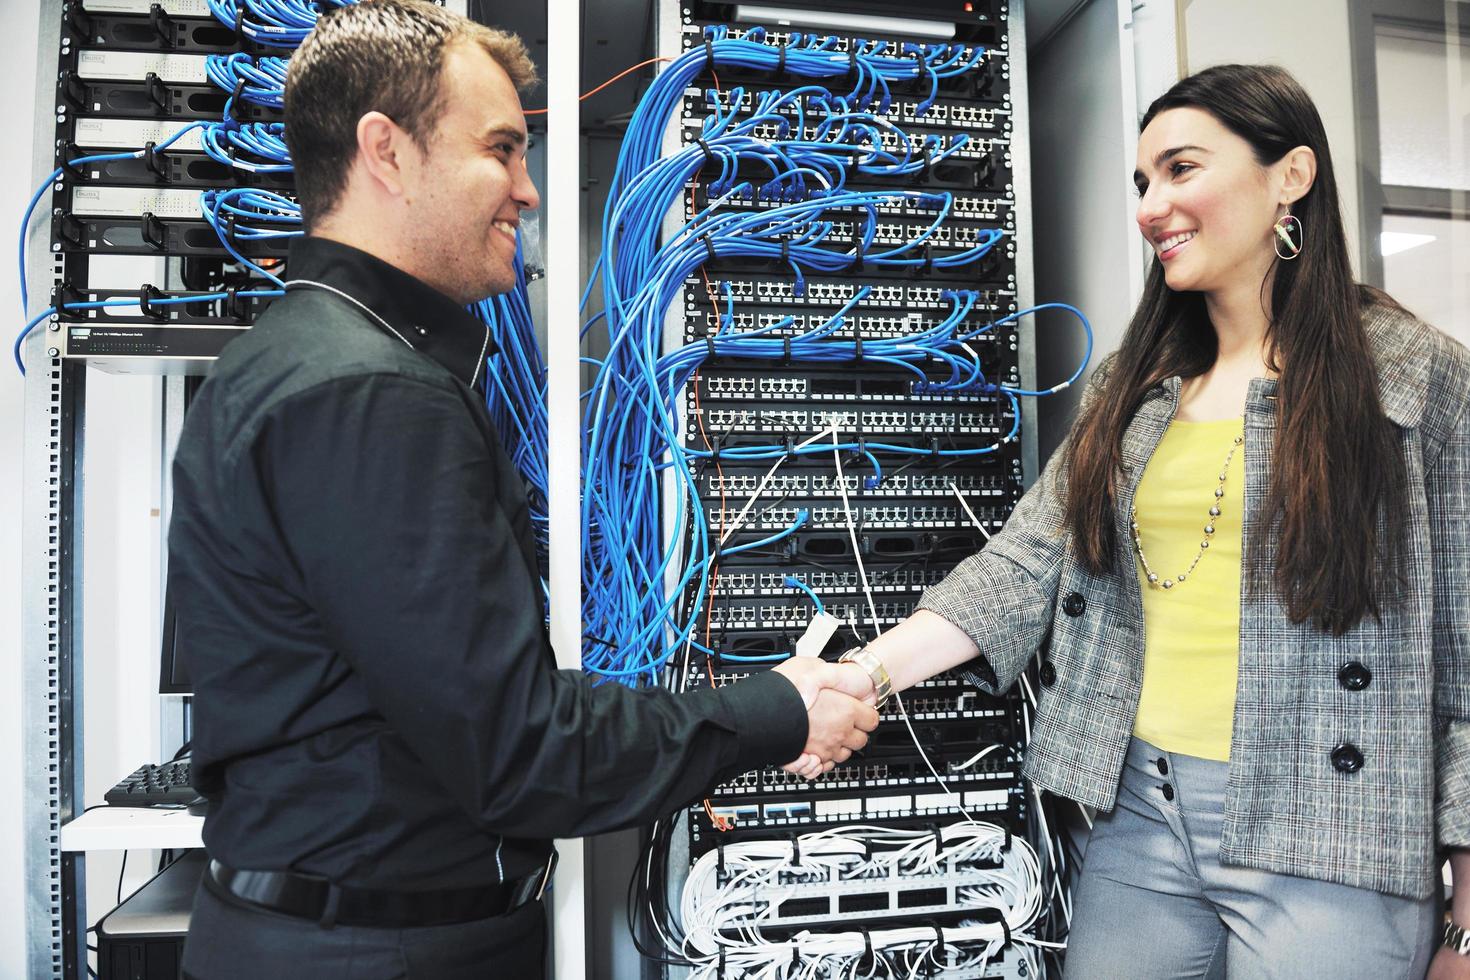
1295	803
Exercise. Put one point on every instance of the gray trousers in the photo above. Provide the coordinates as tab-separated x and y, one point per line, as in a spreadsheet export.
1155	903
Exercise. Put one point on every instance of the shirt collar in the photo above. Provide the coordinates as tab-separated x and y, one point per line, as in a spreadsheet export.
419	315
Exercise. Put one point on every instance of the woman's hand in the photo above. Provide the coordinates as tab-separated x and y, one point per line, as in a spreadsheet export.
1448	965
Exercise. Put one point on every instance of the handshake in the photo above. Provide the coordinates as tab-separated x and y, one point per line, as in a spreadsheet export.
840	714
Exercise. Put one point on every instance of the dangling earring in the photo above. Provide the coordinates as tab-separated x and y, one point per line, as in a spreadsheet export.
1289	236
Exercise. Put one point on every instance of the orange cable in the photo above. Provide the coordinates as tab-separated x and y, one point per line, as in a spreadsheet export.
588	95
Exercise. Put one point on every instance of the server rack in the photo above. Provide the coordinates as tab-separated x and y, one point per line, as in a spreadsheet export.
910	527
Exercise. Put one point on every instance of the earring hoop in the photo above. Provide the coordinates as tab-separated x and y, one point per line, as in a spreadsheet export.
1288	238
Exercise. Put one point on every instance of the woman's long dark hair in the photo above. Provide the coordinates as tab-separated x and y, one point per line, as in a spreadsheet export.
1336	470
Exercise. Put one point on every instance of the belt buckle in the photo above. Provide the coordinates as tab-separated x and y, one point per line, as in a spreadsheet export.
546	875
533	886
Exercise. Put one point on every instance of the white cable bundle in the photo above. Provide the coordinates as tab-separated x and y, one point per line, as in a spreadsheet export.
760	875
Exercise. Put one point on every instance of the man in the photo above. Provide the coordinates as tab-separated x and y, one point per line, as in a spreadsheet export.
379	725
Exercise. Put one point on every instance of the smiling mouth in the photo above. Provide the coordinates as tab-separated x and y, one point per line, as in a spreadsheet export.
506	228
1169	247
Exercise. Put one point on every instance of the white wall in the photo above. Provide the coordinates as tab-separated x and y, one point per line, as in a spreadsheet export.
18	23
1083	137
1309	38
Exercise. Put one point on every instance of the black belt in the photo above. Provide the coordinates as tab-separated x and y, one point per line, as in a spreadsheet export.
316	898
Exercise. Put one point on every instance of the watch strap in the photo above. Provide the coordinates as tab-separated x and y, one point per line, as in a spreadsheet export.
1457	938
882	683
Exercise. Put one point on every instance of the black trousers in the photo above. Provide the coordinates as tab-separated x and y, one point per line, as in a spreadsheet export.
229	940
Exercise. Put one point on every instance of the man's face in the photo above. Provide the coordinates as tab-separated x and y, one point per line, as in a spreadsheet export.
466	194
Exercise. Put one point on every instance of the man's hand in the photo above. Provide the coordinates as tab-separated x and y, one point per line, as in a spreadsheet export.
837	723
837	726
812	676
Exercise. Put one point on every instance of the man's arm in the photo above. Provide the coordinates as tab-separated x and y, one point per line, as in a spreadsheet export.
420	582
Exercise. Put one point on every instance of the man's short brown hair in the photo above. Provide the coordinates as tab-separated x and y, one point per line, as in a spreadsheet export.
376	55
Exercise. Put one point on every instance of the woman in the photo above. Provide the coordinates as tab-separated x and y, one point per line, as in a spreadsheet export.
1248	578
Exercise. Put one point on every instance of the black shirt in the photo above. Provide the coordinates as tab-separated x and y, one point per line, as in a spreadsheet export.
352	562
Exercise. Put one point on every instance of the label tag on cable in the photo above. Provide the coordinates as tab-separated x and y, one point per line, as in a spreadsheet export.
818	632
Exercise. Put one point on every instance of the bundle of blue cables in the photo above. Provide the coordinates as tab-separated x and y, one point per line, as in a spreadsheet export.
256	147
515	393
261	81
644	582
50	311
277	23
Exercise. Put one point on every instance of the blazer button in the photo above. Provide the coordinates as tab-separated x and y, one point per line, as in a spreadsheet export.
1074	604
1048	673
1354	676
1347	758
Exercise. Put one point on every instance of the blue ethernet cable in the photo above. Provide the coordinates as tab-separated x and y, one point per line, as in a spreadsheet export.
250	214
276	23
261	81
25	223
792	582
256	147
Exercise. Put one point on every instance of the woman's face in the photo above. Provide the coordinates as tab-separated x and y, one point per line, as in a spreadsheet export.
1205	205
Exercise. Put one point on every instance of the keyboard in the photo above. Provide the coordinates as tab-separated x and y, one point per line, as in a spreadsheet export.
166	784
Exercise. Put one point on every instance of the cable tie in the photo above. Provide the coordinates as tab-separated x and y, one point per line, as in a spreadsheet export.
785	351
80	24
153	231
709	155
857	254
709	247
785	251
157	91
235	96
162	24
146	295
866	959
240	22
73	89
709	54
1005	927
720	867
722	963
780	61
938	839
795	953
67	228
928	265
791	451
852	62
934	451
795	840
709	343
857	348
69	152
867	849
1005	844
153	160
64	293
924	169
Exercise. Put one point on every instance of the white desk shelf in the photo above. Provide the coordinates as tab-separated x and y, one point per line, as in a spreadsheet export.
116	828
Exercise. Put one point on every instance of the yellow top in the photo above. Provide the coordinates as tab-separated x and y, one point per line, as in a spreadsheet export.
1192	631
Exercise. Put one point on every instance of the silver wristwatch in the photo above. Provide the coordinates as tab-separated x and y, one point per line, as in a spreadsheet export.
1457	938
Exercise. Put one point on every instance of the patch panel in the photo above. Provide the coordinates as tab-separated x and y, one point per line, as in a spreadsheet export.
908	526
